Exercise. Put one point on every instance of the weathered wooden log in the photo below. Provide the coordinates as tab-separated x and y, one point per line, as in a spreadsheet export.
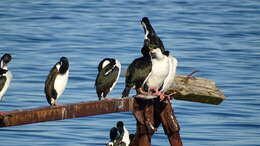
198	90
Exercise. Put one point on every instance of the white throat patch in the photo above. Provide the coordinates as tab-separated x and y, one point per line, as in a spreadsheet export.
157	54
2	65
58	66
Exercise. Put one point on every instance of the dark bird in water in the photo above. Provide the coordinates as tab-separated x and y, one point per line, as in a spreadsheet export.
5	74
56	81
108	74
123	133
152	74
113	137
119	135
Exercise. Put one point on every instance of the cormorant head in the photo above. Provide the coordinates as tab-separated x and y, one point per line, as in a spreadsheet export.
151	40
64	65
5	59
120	126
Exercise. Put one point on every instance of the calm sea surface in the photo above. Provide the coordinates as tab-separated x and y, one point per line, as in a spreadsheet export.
221	38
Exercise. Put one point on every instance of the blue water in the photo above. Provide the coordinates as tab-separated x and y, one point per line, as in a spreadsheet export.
221	38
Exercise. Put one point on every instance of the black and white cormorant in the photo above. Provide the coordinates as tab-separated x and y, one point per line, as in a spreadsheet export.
152	74
56	81
113	137
123	133
119	135
5	74
108	74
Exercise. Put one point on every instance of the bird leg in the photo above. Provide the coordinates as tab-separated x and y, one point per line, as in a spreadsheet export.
155	92
161	95
56	103
171	94
142	92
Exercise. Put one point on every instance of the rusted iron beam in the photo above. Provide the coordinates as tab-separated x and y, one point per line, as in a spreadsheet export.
149	115
68	111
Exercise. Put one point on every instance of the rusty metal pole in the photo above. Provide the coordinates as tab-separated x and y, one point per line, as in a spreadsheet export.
170	124
149	115
143	111
66	111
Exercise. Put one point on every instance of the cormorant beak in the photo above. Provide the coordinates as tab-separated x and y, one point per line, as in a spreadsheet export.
148	29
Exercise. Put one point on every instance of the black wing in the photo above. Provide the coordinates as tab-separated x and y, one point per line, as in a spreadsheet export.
105	80
2	82
136	73
113	133
49	84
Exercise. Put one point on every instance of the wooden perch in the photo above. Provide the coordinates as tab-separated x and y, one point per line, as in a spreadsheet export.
198	90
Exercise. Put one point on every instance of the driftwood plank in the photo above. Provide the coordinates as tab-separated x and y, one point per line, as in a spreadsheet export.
196	90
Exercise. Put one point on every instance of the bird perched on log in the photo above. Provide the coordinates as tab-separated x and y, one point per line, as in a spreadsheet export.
119	135
56	81
108	74
5	74
152	74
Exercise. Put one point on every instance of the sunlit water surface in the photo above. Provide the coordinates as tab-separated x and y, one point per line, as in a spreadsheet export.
221	38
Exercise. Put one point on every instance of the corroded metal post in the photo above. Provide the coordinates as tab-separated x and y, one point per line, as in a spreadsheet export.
149	115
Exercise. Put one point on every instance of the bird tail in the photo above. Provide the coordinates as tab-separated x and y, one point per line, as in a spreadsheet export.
99	97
